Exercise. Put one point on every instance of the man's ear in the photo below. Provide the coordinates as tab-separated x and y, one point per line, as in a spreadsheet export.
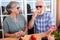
45	8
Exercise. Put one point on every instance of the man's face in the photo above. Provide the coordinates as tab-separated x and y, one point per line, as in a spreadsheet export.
39	6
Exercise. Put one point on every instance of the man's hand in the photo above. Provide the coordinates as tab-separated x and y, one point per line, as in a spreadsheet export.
52	28
36	13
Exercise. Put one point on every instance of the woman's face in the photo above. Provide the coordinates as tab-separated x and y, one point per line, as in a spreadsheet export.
16	9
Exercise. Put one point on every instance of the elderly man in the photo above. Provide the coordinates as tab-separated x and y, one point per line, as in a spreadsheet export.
42	20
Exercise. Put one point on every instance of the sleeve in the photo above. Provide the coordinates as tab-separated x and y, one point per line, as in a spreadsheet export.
5	26
25	22
52	20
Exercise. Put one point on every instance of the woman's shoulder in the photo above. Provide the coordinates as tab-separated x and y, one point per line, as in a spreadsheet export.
21	16
7	18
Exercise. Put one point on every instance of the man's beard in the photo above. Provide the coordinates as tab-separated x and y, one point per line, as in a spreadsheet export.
41	13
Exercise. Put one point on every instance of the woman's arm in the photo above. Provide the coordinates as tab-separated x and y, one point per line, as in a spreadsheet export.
26	29
17	34
9	35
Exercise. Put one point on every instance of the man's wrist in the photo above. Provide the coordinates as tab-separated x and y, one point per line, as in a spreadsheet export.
33	17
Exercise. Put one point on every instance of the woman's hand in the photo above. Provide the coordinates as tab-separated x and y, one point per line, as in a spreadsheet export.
18	34
23	34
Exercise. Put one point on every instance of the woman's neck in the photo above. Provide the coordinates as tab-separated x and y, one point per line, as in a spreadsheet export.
13	15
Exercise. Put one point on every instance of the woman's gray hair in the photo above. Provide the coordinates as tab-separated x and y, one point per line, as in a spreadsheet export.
11	5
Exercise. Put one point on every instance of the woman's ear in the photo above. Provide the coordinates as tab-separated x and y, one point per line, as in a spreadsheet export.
11	10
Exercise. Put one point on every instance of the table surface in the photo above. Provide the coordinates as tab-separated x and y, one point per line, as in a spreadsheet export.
27	37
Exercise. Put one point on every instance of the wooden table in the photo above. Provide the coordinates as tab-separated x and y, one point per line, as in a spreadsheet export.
38	36
27	37
8	39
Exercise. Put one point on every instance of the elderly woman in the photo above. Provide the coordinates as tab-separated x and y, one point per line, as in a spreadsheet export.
15	24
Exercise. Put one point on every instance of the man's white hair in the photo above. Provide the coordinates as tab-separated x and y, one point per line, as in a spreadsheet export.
43	3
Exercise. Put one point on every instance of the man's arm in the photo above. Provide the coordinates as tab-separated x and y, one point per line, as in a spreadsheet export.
51	23
31	23
52	28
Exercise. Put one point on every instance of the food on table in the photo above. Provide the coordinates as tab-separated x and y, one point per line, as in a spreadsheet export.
44	38
33	37
20	38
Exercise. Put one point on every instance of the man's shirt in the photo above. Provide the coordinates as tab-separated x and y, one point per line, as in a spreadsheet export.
43	23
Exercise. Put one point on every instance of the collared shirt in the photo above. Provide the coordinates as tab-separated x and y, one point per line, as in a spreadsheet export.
10	26
43	23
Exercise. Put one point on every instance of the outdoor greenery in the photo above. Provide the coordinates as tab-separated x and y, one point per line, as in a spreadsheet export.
56	34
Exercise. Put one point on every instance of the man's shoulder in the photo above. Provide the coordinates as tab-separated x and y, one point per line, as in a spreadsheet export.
47	12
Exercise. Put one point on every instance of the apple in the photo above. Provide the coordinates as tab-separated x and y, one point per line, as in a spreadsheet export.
20	38
33	37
